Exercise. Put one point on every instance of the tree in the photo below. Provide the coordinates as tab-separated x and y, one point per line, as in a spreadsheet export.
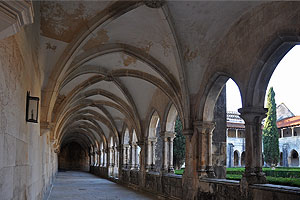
270	132
178	145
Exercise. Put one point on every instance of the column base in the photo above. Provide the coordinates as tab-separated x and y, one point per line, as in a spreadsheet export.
148	168
253	178
206	172
171	170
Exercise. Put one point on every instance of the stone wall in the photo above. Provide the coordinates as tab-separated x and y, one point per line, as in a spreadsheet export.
167	186
73	157
214	189
28	163
99	171
287	145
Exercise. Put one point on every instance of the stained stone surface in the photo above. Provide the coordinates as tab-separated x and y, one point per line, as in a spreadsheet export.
77	185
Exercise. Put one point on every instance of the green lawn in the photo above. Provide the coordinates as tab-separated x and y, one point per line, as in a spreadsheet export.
179	172
279	176
291	175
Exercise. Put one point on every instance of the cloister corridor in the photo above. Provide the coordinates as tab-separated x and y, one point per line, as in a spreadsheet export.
98	86
77	185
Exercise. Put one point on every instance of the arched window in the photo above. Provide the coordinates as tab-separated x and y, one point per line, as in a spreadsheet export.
153	133
236	158
243	158
294	158
171	119
281	159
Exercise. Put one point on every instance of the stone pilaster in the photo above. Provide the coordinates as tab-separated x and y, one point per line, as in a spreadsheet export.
204	131
253	137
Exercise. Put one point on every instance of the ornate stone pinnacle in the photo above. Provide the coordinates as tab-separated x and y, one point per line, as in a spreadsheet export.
154	3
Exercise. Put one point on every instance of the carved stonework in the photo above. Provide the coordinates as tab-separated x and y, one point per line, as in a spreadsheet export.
14	15
154	3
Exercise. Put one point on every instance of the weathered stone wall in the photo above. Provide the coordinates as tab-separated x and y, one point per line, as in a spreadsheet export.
99	171
27	161
73	157
225	189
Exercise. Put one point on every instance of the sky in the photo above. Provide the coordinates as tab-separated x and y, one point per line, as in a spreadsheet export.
285	81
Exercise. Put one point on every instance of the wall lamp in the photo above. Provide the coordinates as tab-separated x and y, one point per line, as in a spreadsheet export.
32	108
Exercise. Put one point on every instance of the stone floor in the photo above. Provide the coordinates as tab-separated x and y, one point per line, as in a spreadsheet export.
73	185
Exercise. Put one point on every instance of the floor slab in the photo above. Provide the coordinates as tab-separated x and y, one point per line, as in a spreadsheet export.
73	185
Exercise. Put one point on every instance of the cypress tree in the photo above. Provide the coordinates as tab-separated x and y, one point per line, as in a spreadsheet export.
178	145
270	132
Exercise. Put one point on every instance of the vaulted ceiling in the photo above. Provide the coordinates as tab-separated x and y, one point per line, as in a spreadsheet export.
105	63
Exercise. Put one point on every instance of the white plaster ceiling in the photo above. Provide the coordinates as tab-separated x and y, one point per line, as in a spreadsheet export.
177	40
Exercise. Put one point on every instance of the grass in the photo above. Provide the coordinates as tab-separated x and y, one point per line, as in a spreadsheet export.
236	174
179	172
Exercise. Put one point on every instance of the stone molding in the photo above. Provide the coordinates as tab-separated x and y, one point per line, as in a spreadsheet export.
253	115
204	127
14	15
45	128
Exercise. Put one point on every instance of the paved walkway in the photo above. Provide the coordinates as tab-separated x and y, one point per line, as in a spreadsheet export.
74	185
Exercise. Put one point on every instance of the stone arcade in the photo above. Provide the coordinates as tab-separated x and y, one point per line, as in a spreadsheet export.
112	78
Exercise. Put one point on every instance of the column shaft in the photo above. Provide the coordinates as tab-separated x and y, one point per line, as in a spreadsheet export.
253	138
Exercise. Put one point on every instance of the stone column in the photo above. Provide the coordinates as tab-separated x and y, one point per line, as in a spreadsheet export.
236	133
281	132
226	132
136	157
171	167
153	155
130	156
229	154
99	158
92	158
96	158
133	159
125	156
204	166
141	155
293	131
104	157
120	160
253	137
149	155
166	149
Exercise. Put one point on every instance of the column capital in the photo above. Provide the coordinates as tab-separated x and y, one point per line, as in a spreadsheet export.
119	147
151	139
140	143
168	134
188	132
253	114
204	126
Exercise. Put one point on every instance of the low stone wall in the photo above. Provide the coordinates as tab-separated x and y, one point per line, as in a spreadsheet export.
172	186
169	186
219	189
99	171
166	186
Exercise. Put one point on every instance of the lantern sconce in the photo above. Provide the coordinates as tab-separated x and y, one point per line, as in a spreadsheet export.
32	108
